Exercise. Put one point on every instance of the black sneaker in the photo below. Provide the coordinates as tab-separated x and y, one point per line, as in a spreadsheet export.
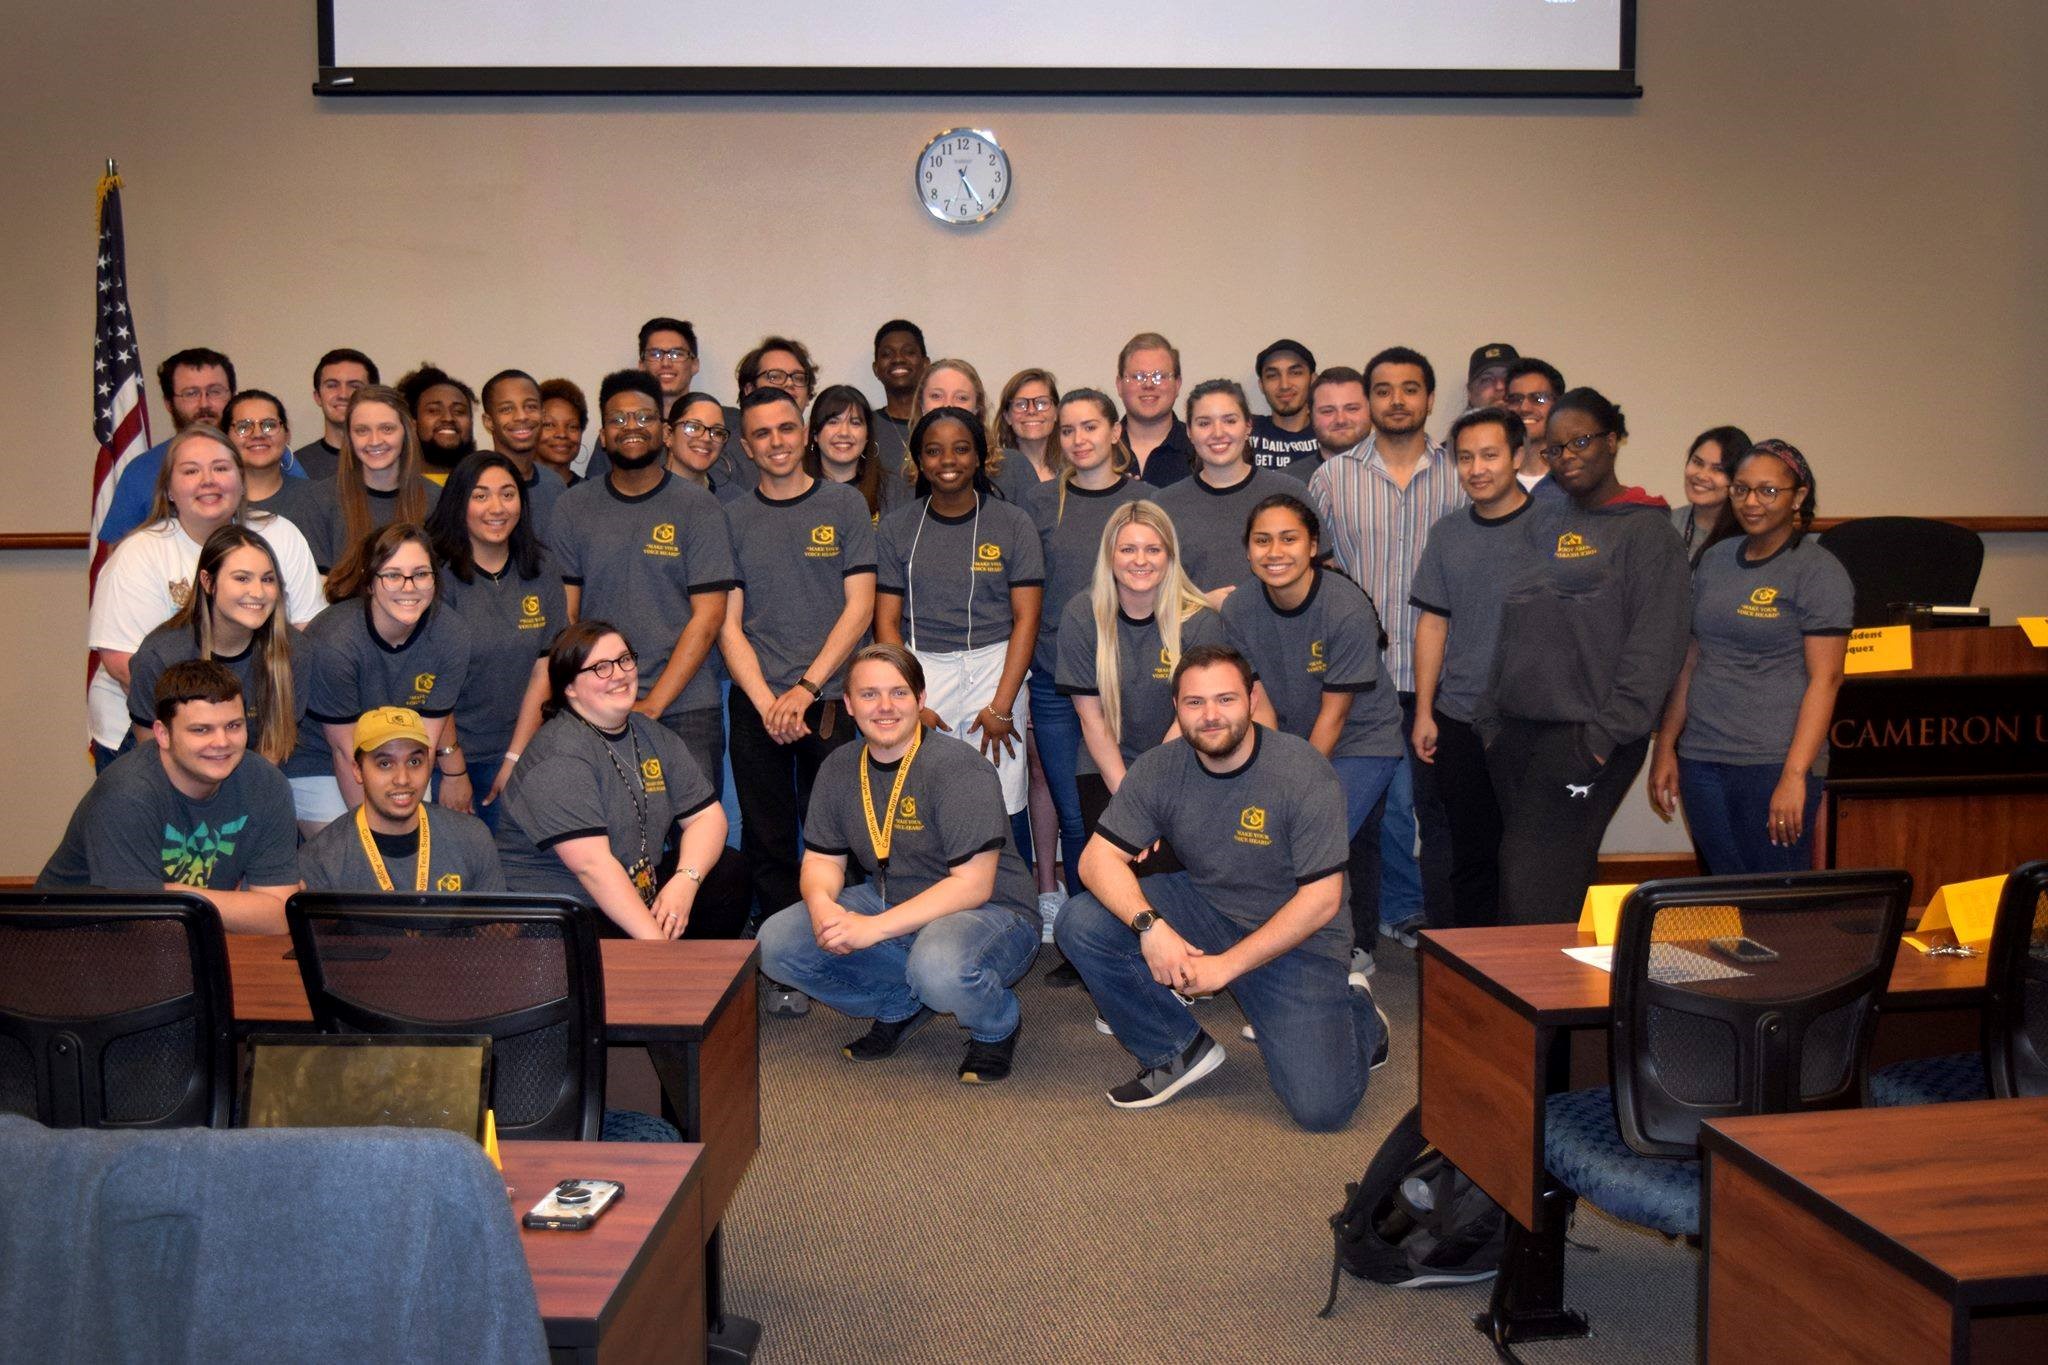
1063	976
882	1039
1380	1053
1162	1083
986	1062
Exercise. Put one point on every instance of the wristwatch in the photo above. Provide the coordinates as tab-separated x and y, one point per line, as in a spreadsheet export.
1144	920
693	874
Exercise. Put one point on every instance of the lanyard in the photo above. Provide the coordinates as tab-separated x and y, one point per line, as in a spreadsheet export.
882	834
642	871
377	868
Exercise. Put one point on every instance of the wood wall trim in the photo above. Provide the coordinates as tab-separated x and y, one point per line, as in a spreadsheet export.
1981	525
45	540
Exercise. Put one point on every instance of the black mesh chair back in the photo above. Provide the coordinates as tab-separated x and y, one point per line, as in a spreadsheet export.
523	970
1706	1026
1905	559
115	1010
2016	972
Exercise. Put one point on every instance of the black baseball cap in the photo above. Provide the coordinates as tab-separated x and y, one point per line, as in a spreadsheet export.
1491	354
1284	345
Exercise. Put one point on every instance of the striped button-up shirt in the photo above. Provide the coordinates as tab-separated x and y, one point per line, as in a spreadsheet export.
1377	529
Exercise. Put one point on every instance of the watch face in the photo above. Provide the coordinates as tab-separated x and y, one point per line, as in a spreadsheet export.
962	176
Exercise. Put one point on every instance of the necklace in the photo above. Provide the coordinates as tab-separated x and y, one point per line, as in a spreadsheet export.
370	851
882	833
642	870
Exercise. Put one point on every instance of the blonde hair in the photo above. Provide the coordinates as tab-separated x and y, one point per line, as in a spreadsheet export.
1178	599
994	466
160	508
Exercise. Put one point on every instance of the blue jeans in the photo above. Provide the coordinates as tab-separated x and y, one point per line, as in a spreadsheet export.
1316	1033
1056	730
1728	808
1368	788
961	964
483	770
1400	873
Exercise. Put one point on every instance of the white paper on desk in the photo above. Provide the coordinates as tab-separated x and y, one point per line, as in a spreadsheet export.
1601	956
1669	964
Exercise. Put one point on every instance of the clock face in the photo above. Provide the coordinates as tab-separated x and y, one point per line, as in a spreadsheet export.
962	176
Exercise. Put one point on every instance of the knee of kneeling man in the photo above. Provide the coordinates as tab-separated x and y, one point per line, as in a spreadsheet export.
1078	916
782	935
1329	1114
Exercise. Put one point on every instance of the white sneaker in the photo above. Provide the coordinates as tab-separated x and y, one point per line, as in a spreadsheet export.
1362	966
1049	903
1249	1034
1102	1027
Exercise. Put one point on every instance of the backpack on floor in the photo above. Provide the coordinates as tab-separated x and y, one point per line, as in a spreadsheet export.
1413	1219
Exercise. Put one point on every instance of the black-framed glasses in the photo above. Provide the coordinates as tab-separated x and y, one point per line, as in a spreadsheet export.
667	353
246	427
1767	492
692	429
1532	400
604	668
1577	444
398	580
781	379
619	421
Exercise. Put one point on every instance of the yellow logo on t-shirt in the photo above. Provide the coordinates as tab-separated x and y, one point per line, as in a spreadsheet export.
651	779
422	688
824	543
1164	671
1762	605
448	881
661	541
1572	545
530	615
1316	663
988	558
1251	827
906	815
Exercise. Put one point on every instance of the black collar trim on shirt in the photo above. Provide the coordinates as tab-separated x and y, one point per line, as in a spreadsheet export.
767	501
1258	736
944	520
419	628
1074	490
486	575
1202	483
405	845
1131	620
630	498
1315	586
1743	561
221	658
891	765
385	494
1490	522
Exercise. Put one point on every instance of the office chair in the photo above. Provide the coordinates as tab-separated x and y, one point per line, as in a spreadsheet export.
2013	1060
1704	1028
523	969
1905	559
115	1010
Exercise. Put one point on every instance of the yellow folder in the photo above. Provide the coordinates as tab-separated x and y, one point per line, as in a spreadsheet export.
1967	908
2036	628
1602	910
491	1138
1601	914
1879	649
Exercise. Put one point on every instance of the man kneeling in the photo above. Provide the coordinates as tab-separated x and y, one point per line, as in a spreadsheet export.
948	916
1257	820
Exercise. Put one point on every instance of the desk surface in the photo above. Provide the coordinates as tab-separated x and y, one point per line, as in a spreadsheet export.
583	1279
1954	1195
654	991
1524	967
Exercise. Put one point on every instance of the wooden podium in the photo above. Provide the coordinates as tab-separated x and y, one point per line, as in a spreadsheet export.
1942	770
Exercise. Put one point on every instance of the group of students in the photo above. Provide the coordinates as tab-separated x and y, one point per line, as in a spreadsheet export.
1003	596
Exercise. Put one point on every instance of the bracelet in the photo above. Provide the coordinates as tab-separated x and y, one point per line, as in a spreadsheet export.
512	757
807	685
463	773
693	874
446	750
993	714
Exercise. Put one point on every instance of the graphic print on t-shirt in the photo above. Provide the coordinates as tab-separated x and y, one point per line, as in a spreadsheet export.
531	617
1762	605
824	543
988	557
1251	827
1572	545
448	881
1316	662
661	541
422	688
651	780
189	859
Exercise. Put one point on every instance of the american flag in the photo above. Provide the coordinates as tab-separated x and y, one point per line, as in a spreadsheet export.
120	406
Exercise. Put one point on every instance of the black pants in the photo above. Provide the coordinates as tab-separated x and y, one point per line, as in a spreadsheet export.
1556	802
773	783
1473	814
1432	825
1094	801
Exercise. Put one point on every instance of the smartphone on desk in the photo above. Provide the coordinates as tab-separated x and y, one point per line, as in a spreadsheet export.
1744	949
573	1205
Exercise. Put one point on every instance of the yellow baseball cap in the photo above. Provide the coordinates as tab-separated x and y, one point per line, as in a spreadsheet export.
377	728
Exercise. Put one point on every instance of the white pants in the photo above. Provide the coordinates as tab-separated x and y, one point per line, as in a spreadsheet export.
958	685
317	800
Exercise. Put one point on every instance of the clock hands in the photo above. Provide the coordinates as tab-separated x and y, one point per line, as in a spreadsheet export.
969	187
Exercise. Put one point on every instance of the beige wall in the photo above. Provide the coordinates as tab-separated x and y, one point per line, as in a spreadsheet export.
1823	222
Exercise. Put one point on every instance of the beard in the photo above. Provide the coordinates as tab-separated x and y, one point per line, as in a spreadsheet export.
634	462
1218	744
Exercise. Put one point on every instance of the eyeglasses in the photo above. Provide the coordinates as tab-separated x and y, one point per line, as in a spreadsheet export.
692	429
398	580
1527	400
267	425
667	353
194	395
1764	492
619	421
1024	406
1152	378
1577	445
781	379
604	668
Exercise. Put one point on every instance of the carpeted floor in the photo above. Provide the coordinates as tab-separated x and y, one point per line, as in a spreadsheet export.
894	1214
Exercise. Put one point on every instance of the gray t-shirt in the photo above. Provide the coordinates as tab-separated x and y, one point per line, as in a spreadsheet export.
326	528
167	645
1209	522
1463	576
1330	643
134	831
938	565
1750	621
1070	539
892	444
298	501
1249	838
573	782
540	494
638	560
793	559
359	671
1144	671
511	621
460	856
1296	454
318	459
950	810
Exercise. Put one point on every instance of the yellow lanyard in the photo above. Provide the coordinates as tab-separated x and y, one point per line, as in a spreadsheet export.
883	833
419	881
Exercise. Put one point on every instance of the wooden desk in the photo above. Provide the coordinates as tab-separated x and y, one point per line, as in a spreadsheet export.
1914	1234
1498	1006
630	1288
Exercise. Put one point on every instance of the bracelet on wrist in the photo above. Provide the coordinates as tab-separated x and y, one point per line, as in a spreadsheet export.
449	776
994	714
